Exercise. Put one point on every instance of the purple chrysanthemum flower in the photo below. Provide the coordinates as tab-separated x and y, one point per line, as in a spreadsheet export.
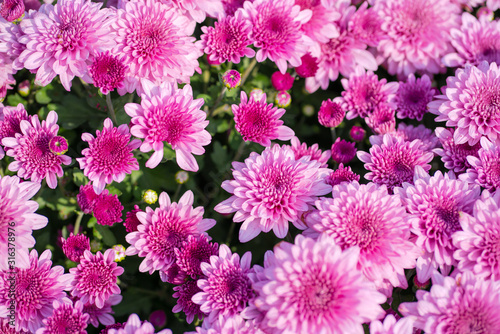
364	93
315	287
173	275
331	113
131	220
413	96
66	318
272	189
391	325
164	229
301	150
86	198
227	40
417	34
107	209
155	45
227	287
107	72
341	174
485	168
276	31
409	133
308	67
476	40
435	204
61	38
109	156
102	315
12	10
30	149
392	161
18	219
343	151
113	326
6	328
231	79
184	294
469	103
454	156
368	217
231	6
36	288
75	245
95	278
171	115
194	250
258	121
461	304
357	133
58	145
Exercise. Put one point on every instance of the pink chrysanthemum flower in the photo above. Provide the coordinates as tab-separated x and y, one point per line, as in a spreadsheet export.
5	327
321	27
75	245
102	315
61	38
134	325
231	79
109	156
454	156
258	121
36	288
194	251
276	31
131	220
18	217
469	103
227	40
227	287
66	318
282	81
341	174
331	113
95	277
184	294
272	189
485	168
364	92
392	161
12	10
198	10
107	72
476	40
10	120
229	324
301	150
171	115
10	48
435	204
173	275
231	6
357	133
365	25
413	96
409	133
107	208
382	120
392	326
30	149
417	34
343	151
309	66
86	198
461	304
368	217
164	229
153	41
113	326
315	287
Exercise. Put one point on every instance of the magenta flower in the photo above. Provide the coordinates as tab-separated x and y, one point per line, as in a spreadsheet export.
409	133
109	156
66	318
95	278
357	133
343	151
231	79
309	66
36	288
10	120
154	42
227	288
283	99
58	145
392	161
18	219
272	189
184	294
301	150
171	115
86	198
322	25
107	208
276	31
331	113
60	40
413	96
229	324
417	34
30	149
102	315
194	250
258	121
382	120
365	25
485	168
75	245
366	216
164	229
107	72
435	204
231	6
12	10
454	156
392	326
461	304
341	174
468	103
227	40
282	81
315	287
131	220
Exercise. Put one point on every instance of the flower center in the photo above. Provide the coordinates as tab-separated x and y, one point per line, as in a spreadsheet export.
315	294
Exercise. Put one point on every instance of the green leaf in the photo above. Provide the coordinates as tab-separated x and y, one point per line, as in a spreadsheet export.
14	99
41	95
219	156
74	112
78	178
107	236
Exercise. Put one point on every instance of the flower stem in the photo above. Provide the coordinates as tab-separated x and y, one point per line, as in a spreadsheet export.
230	233
247	72
217	102
239	153
111	110
77	222
334	134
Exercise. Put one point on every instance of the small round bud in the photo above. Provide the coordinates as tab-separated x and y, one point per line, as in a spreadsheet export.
256	93
357	133
181	177
24	88
119	252
95	246
308	110
283	99
150	196
58	145
330	114
231	79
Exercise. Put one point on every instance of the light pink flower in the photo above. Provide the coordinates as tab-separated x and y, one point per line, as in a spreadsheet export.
102	315
409	133
485	168
169	114
331	113
454	156
322	25
301	150
341	174
107	72
134	325
365	25
66	318
391	326
198	9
